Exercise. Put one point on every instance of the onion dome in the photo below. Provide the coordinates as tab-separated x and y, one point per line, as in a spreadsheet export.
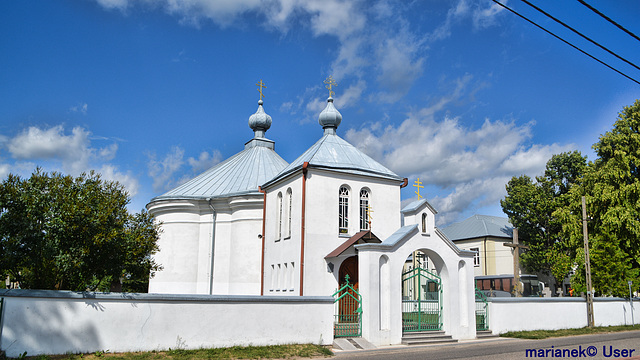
260	122
330	117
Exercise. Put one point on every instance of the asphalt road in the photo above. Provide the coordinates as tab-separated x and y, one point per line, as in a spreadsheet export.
598	346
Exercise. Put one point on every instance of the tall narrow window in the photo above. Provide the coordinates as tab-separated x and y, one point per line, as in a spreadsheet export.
343	210
279	224
364	209
424	222
476	256
289	206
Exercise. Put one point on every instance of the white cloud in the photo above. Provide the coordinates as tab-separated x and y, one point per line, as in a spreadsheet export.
83	108
53	149
204	161
35	143
5	169
469	165
110	172
162	171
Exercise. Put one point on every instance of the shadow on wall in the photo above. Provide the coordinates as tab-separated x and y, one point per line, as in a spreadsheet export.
33	325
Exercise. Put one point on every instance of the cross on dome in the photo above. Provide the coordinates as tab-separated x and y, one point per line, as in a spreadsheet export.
330	117
330	83
260	122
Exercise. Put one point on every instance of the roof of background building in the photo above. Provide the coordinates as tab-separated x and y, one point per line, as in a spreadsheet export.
479	226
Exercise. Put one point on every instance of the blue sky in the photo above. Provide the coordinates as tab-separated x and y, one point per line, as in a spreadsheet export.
460	93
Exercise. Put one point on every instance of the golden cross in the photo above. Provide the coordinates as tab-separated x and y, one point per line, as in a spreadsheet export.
369	217
260	86
417	184
330	84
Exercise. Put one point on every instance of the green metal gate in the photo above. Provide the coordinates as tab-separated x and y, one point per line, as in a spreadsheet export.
482	311
421	301
347	319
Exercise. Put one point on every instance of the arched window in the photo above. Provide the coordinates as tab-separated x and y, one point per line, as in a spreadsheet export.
424	222
289	206
364	210
279	223
343	210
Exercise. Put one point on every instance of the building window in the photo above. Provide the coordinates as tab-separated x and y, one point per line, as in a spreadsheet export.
292	277
289	206
279	222
364	210
424	222
343	210
476	256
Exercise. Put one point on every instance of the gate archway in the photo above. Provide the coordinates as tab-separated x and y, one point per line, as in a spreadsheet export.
421	300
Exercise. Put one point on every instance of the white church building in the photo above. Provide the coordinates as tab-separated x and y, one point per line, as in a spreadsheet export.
331	219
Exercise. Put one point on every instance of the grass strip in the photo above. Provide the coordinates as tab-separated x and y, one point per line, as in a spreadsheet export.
544	334
235	352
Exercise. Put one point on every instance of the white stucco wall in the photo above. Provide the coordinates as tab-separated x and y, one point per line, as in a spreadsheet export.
321	224
518	314
187	242
60	322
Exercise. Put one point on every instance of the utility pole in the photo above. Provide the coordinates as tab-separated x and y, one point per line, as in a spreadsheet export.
516	260
587	264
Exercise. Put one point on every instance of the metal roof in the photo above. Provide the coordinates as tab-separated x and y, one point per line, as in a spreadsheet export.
333	153
479	226
240	174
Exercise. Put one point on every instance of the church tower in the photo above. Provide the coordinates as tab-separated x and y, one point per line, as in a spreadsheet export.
330	195
212	225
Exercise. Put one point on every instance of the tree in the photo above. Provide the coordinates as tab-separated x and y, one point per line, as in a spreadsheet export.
61	232
530	206
611	185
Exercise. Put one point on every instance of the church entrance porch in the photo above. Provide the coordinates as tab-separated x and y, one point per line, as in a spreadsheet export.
421	301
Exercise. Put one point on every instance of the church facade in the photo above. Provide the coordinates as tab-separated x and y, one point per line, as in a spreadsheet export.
331	217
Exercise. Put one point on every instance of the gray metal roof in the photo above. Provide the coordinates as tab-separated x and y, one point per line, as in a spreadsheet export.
479	226
333	153
240	174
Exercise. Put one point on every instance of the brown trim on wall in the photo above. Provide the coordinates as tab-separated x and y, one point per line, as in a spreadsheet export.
264	215
302	222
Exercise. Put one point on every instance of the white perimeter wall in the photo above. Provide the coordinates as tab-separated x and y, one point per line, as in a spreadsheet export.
517	314
59	322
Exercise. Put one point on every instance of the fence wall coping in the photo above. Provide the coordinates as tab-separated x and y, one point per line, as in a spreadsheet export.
88	295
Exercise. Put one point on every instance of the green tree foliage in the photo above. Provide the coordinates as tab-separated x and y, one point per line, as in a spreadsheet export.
611	185
61	232
530	206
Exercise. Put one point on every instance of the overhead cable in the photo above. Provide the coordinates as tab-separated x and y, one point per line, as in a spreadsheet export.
581	34
568	43
609	19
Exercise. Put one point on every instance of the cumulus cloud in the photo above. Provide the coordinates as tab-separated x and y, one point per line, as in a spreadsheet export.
205	161
55	149
162	171
470	164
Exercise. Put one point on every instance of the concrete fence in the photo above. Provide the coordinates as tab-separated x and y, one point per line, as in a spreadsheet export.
517	314
59	322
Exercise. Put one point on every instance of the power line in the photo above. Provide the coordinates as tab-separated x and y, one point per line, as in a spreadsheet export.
609	19
581	34
566	42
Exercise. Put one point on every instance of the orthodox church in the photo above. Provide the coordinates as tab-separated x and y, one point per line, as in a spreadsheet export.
256	225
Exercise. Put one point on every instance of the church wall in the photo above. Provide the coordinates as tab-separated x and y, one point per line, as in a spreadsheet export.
245	246
179	246
323	236
186	246
282	253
